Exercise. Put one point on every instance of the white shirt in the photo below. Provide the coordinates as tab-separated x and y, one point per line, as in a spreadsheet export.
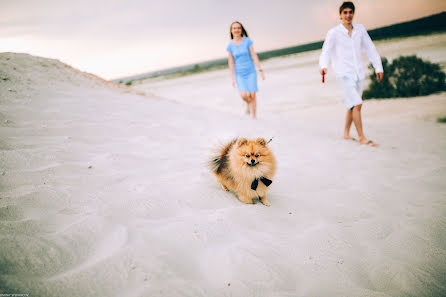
345	51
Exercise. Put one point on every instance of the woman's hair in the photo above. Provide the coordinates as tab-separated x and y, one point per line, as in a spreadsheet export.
345	5
244	33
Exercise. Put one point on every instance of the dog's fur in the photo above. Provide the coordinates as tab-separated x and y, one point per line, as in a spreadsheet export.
236	172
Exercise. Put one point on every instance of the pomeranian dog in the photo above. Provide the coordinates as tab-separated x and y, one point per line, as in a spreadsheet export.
245	167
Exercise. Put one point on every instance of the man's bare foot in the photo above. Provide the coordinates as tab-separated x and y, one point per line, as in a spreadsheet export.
367	142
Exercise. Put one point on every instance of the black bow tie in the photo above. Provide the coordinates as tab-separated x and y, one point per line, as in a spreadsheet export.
264	180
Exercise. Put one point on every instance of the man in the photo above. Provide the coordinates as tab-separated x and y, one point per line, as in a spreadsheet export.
342	46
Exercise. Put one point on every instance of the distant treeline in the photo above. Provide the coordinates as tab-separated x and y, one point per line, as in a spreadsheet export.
431	24
427	25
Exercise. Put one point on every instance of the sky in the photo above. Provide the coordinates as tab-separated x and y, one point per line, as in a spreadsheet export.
117	38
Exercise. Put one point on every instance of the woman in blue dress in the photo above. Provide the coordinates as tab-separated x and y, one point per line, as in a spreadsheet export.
241	60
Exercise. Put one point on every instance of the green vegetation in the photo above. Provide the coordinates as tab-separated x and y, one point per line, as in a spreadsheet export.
291	50
196	69
129	83
407	76
442	119
384	89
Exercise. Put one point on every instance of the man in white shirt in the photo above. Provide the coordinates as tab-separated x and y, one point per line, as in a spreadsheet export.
342	46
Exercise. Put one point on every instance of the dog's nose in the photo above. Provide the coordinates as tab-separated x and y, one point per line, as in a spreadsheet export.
253	161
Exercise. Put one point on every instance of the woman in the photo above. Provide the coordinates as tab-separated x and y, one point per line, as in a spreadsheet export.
241	60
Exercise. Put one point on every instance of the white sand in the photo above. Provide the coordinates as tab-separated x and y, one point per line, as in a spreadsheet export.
107	193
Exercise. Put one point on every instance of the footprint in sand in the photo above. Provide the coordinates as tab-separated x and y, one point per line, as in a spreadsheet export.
100	240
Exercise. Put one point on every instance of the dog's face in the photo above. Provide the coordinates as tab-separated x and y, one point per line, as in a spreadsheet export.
253	153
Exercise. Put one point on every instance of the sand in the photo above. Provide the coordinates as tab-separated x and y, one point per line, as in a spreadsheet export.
106	192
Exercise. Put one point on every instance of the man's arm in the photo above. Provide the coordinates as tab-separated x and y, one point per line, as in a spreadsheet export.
324	58
372	54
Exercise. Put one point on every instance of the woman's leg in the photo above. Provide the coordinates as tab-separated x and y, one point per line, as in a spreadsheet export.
253	102
246	98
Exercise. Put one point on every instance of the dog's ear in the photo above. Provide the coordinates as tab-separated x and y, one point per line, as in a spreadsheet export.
242	141
261	141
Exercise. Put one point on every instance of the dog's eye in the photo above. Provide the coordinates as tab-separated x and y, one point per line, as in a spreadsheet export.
257	155
247	156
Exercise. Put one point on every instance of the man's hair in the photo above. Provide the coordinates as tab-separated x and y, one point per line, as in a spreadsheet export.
345	5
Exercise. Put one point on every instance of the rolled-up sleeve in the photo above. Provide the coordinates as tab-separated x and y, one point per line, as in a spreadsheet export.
371	52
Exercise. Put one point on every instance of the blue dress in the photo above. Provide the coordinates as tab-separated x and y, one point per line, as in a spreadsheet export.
245	72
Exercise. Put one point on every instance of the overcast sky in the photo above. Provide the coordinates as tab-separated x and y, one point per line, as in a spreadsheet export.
115	38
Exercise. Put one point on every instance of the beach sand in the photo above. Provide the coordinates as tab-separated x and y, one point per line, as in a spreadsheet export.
106	192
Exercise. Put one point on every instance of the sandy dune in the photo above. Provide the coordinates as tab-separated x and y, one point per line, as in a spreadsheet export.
104	192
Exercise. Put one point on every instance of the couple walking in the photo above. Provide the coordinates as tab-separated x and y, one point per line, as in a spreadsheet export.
342	45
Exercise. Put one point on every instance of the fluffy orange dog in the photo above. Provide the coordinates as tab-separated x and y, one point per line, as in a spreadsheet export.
245	167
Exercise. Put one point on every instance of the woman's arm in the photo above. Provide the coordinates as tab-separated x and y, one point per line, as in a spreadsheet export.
256	61
231	68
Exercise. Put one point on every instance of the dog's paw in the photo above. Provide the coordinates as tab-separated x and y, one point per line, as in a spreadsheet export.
224	188
265	202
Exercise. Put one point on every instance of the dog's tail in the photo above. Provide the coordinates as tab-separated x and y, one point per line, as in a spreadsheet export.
220	159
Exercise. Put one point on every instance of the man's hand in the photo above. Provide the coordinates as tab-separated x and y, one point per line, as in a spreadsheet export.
323	72
379	76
